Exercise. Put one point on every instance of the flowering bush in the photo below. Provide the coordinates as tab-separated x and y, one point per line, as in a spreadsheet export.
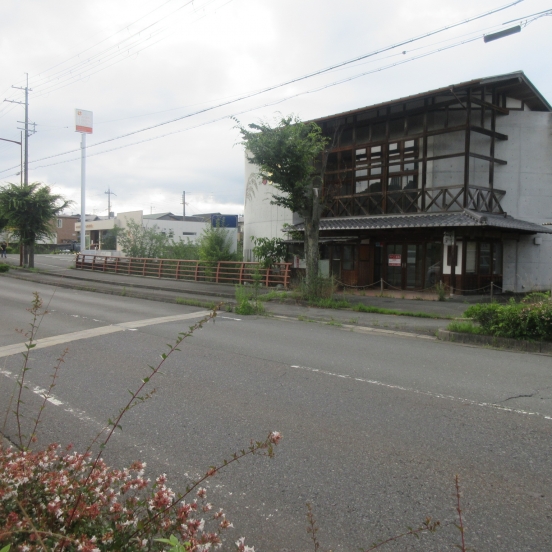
62	500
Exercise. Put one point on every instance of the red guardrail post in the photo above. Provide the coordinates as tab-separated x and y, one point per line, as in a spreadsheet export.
160	271
240	278
286	274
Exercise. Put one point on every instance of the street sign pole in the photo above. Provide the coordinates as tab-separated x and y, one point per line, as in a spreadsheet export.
83	193
83	124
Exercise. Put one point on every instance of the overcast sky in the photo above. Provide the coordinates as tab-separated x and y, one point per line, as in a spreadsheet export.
142	63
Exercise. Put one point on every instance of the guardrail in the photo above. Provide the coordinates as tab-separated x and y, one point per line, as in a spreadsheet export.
221	272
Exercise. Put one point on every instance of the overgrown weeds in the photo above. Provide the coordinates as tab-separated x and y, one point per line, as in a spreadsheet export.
464	327
320	288
195	303
248	297
360	307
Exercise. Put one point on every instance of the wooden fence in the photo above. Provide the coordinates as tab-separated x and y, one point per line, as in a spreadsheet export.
221	272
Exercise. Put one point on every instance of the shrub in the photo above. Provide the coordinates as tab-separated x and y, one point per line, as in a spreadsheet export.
4	267
531	321
215	245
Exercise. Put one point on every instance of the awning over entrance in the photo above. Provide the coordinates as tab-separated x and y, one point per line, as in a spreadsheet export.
465	218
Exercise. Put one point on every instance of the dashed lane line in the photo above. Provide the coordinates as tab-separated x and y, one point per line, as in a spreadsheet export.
426	393
16	348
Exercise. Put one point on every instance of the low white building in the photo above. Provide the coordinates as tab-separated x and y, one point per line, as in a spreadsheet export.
180	228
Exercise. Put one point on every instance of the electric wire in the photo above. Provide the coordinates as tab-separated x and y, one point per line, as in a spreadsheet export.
298	79
247	110
67	75
68	78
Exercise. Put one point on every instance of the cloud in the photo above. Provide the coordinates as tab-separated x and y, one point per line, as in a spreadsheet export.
137	64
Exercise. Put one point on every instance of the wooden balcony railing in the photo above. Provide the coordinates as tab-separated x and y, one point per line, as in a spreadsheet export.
222	272
430	200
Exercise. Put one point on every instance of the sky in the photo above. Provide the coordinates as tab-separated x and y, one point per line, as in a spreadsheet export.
165	80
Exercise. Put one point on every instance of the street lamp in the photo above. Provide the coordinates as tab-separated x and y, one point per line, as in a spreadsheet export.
502	34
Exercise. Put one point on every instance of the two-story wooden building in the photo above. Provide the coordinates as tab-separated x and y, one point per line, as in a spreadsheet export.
451	185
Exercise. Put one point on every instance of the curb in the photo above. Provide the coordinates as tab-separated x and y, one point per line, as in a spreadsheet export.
540	347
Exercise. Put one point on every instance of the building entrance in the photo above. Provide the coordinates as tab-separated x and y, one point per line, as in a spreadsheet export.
413	266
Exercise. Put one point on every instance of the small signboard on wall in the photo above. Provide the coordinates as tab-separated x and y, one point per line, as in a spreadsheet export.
394	259
448	238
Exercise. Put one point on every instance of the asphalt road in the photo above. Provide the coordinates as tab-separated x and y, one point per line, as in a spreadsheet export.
375	427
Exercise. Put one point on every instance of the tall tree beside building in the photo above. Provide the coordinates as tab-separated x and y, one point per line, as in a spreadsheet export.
289	155
29	211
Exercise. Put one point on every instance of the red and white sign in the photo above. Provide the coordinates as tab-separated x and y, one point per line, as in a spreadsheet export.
83	121
394	259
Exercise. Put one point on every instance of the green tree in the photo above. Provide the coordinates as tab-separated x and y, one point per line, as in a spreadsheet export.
215	245
269	250
146	242
29	211
290	155
183	250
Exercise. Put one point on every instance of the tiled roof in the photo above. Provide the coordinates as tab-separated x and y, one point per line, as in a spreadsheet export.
465	218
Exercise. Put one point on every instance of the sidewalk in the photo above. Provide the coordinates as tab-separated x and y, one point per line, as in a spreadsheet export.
174	291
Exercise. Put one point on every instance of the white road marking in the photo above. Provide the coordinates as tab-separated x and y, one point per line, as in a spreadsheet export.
366	329
426	393
16	348
80	414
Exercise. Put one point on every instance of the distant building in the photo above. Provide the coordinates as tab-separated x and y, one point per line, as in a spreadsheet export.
451	185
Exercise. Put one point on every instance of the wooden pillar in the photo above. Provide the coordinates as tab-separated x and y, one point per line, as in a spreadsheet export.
467	150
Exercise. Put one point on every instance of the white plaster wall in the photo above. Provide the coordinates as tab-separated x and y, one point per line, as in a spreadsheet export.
177	227
527	266
261	219
527	180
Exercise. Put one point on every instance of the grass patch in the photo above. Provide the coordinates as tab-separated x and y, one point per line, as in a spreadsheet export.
333	322
303	318
274	295
464	327
195	303
330	303
359	307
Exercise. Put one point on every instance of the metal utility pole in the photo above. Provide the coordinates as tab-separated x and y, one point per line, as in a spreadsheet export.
183	205
109	194
26	129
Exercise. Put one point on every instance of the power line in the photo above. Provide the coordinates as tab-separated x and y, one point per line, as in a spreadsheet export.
118	52
270	104
286	83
